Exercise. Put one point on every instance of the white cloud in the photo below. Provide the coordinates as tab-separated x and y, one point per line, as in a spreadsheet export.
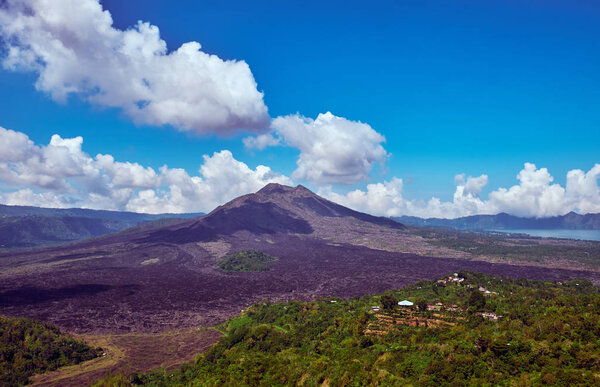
333	150
474	185
583	191
74	48
261	141
379	198
223	178
15	146
26	197
386	199
45	167
535	196
61	174
127	174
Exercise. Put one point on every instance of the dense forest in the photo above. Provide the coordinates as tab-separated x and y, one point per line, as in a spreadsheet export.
465	329
28	347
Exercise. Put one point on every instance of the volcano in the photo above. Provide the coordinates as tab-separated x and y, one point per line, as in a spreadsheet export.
159	277
275	209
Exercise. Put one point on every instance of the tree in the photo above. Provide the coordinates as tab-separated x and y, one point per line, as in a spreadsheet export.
389	302
477	300
421	304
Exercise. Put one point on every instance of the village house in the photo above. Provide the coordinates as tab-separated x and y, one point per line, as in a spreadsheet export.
452	308
405	303
491	316
451	279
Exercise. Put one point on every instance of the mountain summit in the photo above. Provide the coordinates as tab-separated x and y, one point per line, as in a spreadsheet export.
273	209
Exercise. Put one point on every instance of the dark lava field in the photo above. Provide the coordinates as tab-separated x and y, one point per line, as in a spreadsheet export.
157	278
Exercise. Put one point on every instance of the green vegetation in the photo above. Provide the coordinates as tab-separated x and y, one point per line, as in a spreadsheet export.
28	347
549	334
246	260
389	302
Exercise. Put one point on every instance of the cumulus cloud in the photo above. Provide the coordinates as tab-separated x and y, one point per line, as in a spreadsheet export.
75	50
333	150
379	198
472	186
583	191
61	174
535	196
261	141
26	197
221	179
386	199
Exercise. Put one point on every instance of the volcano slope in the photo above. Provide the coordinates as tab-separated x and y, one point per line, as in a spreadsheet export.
156	278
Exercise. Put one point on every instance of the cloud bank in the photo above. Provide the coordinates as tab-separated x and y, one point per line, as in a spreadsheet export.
61	175
75	50
535	196
333	150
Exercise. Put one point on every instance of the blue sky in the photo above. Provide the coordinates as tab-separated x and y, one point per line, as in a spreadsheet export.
455	87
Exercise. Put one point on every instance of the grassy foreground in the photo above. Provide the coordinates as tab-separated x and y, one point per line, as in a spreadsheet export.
548	334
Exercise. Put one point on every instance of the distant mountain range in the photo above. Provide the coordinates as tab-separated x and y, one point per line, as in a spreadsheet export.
503	221
24	226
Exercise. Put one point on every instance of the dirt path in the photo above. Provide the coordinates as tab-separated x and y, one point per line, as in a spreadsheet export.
132	353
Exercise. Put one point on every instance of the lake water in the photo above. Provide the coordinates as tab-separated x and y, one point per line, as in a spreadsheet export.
590	235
